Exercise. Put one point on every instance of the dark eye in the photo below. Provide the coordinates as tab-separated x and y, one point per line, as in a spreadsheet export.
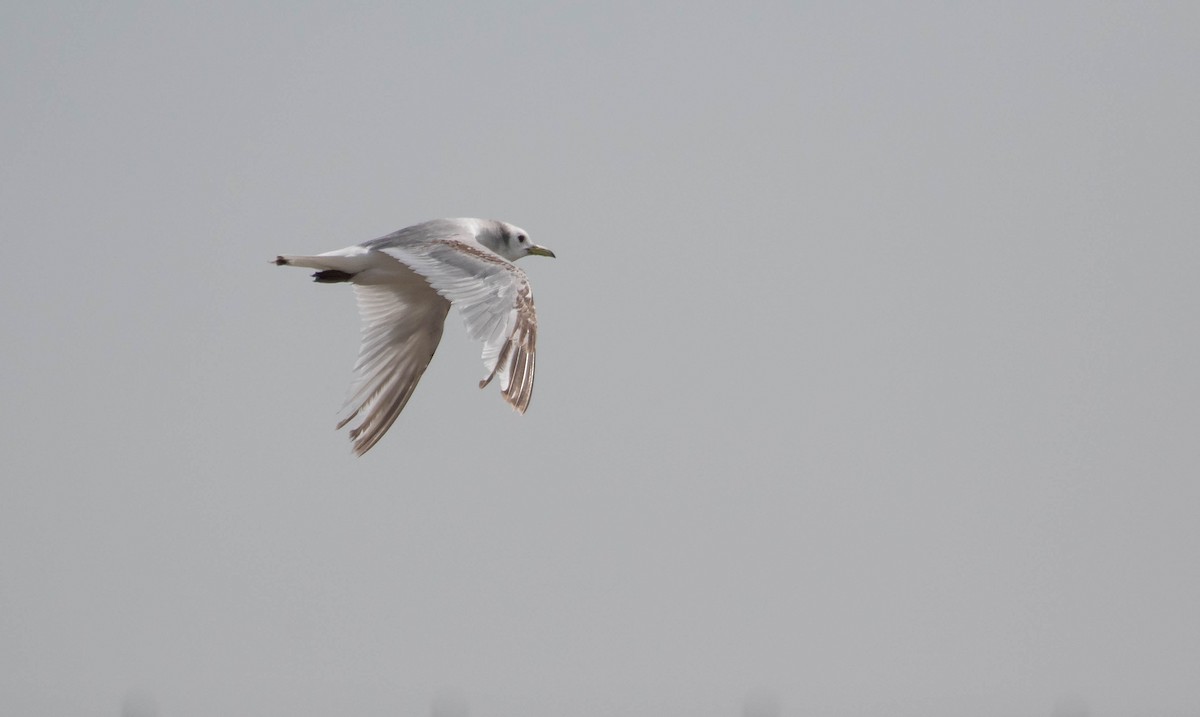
520	238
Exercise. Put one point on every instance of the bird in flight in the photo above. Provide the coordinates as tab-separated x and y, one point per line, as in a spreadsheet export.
405	283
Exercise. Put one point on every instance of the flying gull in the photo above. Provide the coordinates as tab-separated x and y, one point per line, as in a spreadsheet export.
405	283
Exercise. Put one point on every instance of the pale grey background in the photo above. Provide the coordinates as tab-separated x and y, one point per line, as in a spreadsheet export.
867	385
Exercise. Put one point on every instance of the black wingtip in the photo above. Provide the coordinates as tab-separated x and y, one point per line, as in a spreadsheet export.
280	261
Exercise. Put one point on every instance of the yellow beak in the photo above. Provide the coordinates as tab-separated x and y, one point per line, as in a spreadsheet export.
541	251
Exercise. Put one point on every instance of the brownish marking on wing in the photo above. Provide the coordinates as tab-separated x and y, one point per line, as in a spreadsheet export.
518	356
481	254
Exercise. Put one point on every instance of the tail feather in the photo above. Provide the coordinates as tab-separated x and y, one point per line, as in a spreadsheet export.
312	262
347	263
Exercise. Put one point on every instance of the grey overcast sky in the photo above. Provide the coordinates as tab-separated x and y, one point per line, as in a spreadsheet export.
868	379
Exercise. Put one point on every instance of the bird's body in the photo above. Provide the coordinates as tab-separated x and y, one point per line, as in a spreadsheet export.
405	283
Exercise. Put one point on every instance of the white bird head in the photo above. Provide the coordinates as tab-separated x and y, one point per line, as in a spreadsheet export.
510	242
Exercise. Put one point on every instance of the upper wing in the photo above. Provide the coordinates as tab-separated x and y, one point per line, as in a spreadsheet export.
402	324
496	304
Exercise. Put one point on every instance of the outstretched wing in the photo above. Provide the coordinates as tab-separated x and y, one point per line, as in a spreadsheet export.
496	303
402	320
